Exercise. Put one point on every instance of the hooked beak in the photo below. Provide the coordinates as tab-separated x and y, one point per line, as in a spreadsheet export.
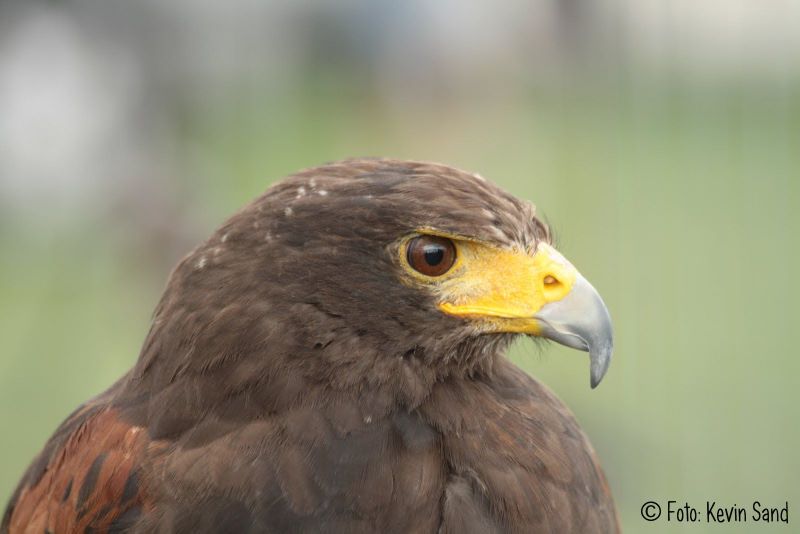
580	320
541	295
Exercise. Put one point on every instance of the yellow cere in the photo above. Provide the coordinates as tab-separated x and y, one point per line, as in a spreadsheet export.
504	287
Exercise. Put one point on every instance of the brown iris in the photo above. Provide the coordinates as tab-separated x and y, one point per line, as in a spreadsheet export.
431	255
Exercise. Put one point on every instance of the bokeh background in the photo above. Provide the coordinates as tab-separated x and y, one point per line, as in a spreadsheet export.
660	138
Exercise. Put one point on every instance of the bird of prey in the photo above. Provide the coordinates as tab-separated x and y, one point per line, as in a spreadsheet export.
332	359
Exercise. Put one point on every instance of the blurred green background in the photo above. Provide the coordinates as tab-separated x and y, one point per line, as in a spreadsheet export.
660	139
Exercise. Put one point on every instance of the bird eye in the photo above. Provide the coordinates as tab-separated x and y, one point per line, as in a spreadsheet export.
431	255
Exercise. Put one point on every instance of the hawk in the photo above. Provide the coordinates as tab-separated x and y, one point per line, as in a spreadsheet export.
332	359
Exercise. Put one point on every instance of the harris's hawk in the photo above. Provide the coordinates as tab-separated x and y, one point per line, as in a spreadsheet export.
331	359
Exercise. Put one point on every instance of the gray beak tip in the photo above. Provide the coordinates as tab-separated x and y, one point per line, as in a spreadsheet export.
600	359
594	380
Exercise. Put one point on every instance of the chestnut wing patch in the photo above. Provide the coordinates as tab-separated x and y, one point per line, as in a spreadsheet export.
87	478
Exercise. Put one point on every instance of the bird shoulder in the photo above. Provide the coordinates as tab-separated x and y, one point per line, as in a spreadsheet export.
86	478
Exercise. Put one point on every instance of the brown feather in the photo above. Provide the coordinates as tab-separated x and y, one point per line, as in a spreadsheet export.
89	481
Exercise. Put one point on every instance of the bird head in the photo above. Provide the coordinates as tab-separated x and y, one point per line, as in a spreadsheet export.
357	263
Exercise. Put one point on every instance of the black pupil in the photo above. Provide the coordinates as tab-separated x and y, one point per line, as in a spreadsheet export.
434	254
